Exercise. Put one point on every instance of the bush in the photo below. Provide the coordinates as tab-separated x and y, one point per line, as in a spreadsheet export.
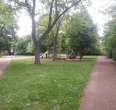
94	51
24	53
109	52
114	53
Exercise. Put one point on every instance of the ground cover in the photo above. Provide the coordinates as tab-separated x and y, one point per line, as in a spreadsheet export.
51	86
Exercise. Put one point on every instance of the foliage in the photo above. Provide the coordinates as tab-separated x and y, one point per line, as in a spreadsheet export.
46	44
7	27
56	85
82	34
114	53
64	45
24	46
110	32
55	10
76	31
110	38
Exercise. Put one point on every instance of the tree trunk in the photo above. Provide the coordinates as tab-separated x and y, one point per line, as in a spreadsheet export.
36	47
37	55
56	40
34	38
81	56
55	47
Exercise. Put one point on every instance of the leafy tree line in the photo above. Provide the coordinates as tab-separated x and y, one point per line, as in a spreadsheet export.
110	39
7	27
77	33
83	34
56	29
110	33
24	46
56	8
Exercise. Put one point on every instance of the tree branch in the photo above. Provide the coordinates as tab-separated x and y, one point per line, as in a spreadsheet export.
50	14
43	36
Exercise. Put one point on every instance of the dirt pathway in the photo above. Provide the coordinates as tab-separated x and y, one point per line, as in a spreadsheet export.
100	93
4	61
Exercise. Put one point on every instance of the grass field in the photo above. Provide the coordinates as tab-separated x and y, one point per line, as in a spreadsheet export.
53	86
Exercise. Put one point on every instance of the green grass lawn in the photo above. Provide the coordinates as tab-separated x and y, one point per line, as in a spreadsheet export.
53	86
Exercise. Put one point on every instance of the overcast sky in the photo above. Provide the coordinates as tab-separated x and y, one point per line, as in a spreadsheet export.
96	11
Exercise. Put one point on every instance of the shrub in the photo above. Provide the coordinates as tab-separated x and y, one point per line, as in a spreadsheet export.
114	53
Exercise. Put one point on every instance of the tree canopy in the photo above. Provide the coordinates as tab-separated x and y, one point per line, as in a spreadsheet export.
56	8
82	33
110	33
7	26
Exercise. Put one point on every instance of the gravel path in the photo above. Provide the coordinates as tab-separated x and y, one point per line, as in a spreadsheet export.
100	93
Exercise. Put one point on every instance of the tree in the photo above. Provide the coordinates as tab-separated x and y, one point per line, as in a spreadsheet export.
57	8
82	34
7	26
24	46
110	32
52	39
110	39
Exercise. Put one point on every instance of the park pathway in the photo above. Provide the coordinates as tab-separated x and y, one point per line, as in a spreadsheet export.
4	61
100	93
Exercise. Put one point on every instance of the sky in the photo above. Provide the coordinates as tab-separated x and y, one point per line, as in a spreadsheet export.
95	10
24	24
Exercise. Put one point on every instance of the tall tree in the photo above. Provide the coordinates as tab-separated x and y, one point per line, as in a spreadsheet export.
82	35
110	39
7	26
110	32
53	35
